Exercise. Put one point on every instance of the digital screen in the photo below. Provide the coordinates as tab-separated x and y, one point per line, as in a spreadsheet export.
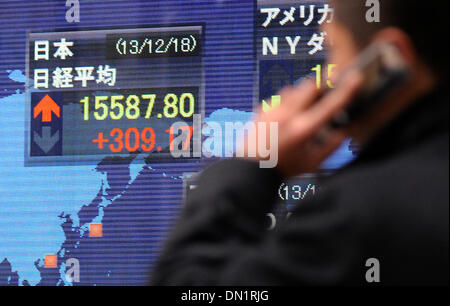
88	180
106	92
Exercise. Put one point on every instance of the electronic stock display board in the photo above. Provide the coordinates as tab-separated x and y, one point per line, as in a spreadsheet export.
93	107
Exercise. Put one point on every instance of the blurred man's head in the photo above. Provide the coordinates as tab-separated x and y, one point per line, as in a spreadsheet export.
418	28
425	23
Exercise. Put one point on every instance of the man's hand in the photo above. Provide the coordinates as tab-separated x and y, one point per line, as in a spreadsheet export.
303	142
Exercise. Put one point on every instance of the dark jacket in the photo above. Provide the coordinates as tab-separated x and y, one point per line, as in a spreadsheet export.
390	204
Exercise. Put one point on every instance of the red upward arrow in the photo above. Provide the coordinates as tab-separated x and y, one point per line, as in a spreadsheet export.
46	106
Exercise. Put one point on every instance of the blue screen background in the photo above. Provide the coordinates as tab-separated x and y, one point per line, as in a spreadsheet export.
48	210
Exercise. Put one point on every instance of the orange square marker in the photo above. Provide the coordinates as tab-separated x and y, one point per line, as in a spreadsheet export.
95	230
51	261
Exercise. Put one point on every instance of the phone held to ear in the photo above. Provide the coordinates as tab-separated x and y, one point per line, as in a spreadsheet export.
384	71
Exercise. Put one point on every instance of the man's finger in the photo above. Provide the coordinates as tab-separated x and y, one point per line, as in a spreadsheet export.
322	112
300	97
308	123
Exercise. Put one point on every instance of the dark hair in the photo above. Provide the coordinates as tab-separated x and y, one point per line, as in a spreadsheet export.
426	23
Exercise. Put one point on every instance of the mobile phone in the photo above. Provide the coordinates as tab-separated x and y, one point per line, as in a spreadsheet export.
384	71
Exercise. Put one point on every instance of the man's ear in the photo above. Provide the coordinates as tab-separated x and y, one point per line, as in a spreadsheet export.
421	73
403	43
